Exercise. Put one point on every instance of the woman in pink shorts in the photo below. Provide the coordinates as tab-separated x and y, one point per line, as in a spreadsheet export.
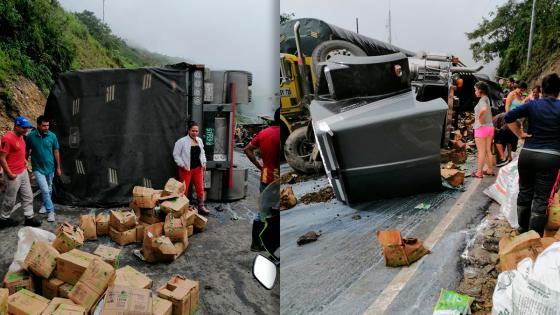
483	131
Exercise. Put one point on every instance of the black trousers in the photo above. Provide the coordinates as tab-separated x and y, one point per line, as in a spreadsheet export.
537	174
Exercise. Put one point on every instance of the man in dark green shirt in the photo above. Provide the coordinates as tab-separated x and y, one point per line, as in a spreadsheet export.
43	147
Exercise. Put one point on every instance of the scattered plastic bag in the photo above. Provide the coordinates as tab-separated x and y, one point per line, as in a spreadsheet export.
453	303
504	191
26	236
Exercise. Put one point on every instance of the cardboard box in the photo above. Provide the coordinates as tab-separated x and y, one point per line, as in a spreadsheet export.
182	293
514	249
173	187
181	246
150	219
177	206
123	238
64	290
71	265
25	302
145	197
140	231
161	306
122	220
200	223
175	228
88	226
130	277
135	207
67	309
92	284
41	259
102	224
4	293
126	300
84	296
108	254
189	217
54	304
165	249
68	237
190	230
15	281
51	287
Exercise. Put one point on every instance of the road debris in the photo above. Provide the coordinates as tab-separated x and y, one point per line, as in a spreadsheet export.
287	198
400	251
423	206
454	177
357	217
308	237
294	178
322	195
453	303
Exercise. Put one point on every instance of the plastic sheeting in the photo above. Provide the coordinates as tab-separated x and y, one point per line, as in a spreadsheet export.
117	129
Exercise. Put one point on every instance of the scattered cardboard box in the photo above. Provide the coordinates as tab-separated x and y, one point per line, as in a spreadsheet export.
140	231
71	265
108	254
164	249
126	300
122	220
149	218
64	290
4	293
161	306
15	281
190	230
130	277
173	187
513	249
102	224
92	284
41	259
182	293
189	217
54	304
88	226
454	177
398	251
200	223
25	302
151	232
67	309
175	228
123	238
83	295
132	205
145	197
68	237
177	206
51	287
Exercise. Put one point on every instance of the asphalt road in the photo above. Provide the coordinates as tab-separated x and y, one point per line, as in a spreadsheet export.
219	257
344	271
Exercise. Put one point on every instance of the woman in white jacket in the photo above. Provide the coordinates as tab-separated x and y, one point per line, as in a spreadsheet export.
189	156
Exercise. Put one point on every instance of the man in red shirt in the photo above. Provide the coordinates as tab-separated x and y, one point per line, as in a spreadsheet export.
268	142
12	160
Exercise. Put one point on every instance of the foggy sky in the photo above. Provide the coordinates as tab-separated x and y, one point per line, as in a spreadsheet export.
221	34
427	25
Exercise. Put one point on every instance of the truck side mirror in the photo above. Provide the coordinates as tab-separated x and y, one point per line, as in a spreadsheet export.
264	270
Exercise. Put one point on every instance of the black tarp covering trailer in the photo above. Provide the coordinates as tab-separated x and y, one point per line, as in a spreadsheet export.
314	32
117	129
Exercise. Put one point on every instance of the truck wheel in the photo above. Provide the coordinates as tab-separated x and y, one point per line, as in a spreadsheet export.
329	49
297	151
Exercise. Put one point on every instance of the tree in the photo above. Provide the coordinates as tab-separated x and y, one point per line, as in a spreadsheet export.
285	17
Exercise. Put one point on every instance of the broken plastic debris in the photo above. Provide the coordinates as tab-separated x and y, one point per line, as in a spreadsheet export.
453	303
423	206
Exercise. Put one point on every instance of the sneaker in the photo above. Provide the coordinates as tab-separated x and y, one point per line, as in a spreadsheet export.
32	222
9	222
502	163
43	210
50	217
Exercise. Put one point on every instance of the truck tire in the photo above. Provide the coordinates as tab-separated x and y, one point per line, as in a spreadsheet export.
329	49
297	151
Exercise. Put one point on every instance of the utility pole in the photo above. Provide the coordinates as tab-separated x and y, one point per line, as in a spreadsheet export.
389	24
531	34
357	29
103	11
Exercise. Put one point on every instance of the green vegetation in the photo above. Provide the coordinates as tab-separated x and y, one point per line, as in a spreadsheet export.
506	35
39	40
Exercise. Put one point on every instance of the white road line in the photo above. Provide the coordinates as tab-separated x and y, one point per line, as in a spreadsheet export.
379	306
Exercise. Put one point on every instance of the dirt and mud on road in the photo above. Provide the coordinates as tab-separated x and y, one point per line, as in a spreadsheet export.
219	257
323	195
291	177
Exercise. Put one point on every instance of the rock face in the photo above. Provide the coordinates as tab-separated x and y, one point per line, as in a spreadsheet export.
27	100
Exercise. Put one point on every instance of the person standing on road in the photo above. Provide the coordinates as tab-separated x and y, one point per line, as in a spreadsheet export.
483	131
12	159
42	146
268	142
189	155
539	160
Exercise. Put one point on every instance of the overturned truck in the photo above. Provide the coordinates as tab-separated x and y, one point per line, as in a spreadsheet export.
117	129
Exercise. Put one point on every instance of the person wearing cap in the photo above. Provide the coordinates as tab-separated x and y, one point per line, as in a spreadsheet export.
42	146
12	160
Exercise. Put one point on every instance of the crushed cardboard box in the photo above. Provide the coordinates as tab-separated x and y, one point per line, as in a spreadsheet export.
157	247
64	290
398	251
140	231
126	300
130	277
161	306
176	206
182	293
200	223
4	293
71	265
15	281
25	302
287	198
173	187
41	259
68	309
175	228
102	224
189	216
92	284
145	197
134	207
123	238
190	230
68	237
88	226
514	249
454	177
55	303
150	216
122	220
108	254
51	287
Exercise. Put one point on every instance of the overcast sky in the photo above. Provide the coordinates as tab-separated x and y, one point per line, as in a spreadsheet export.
428	25
221	34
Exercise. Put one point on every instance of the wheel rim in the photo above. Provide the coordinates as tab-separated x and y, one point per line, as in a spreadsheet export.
338	52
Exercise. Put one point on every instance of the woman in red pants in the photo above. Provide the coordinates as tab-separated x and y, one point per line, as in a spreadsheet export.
189	156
